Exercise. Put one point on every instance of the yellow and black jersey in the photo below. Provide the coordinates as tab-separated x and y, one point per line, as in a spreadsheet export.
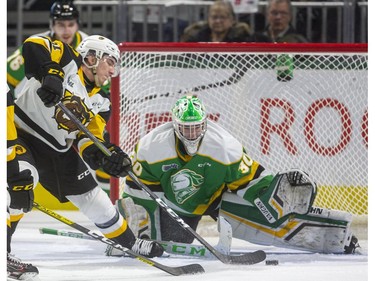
15	62
11	128
50	124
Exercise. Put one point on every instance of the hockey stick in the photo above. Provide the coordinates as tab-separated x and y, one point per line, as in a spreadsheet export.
249	258
175	248
58	232
180	270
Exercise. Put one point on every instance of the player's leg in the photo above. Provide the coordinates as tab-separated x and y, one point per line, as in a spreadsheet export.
103	180
101	177
80	188
15	267
21	198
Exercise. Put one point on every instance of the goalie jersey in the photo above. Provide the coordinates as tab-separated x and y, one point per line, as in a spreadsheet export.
192	185
50	124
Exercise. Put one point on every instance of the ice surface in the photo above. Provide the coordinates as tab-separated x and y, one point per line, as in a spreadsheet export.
72	259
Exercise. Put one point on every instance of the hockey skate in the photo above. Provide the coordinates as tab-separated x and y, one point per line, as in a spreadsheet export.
147	248
353	245
17	270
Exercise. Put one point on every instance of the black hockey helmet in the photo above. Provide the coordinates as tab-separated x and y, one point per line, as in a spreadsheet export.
64	10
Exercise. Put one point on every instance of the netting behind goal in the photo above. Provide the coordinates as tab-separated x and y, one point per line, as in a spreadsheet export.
291	105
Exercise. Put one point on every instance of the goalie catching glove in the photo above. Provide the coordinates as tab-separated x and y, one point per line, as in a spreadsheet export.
116	165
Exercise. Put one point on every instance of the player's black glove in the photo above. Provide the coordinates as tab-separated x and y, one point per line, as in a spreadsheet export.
51	90
116	165
20	187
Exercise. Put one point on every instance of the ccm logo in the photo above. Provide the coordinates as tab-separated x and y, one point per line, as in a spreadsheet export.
84	174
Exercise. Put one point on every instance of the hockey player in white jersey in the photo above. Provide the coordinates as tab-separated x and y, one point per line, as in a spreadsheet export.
64	26
54	146
199	169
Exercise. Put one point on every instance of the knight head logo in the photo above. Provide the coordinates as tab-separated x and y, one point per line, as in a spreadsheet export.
185	184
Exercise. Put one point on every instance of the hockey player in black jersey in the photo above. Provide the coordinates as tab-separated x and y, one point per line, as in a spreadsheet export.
19	195
53	145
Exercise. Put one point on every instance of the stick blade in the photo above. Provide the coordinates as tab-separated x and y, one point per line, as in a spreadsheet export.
186	269
249	258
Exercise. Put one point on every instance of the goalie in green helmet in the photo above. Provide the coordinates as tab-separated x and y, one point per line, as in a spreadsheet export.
189	122
199	169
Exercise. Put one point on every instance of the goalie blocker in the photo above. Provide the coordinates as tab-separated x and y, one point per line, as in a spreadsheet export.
281	214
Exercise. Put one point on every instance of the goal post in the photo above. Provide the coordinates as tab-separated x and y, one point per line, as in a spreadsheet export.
291	105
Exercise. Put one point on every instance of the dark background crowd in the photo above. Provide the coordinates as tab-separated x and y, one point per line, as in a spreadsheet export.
343	21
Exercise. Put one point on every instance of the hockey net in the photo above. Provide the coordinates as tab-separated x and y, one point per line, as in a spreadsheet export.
306	110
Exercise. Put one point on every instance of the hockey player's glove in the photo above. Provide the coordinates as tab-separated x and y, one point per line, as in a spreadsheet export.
116	165
21	191
51	90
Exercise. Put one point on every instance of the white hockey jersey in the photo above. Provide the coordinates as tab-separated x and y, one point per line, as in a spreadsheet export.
51	125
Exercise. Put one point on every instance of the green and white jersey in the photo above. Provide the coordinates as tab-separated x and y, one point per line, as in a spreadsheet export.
192	185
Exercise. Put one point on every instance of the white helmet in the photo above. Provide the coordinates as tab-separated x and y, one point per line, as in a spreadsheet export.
99	46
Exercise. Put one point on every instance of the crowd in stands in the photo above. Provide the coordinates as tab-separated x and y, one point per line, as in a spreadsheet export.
221	26
272	23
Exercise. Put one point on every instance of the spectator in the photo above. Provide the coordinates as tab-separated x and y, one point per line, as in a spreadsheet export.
279	28
221	26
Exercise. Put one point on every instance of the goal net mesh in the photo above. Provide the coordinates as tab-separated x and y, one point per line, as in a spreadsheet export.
290	105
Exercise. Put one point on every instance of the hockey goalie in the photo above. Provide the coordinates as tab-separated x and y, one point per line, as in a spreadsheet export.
199	169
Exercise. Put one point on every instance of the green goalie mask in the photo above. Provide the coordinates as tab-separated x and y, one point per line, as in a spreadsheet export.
189	122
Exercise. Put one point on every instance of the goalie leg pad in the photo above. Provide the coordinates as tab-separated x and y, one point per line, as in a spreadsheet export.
137	217
321	230
289	192
225	236
138	220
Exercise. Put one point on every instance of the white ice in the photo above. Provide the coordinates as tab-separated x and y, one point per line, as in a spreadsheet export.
72	259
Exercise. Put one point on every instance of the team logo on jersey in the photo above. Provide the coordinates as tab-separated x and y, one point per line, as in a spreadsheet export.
19	149
78	107
185	184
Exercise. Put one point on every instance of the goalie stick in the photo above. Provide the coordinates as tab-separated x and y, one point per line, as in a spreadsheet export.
180	270
175	248
248	258
170	247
